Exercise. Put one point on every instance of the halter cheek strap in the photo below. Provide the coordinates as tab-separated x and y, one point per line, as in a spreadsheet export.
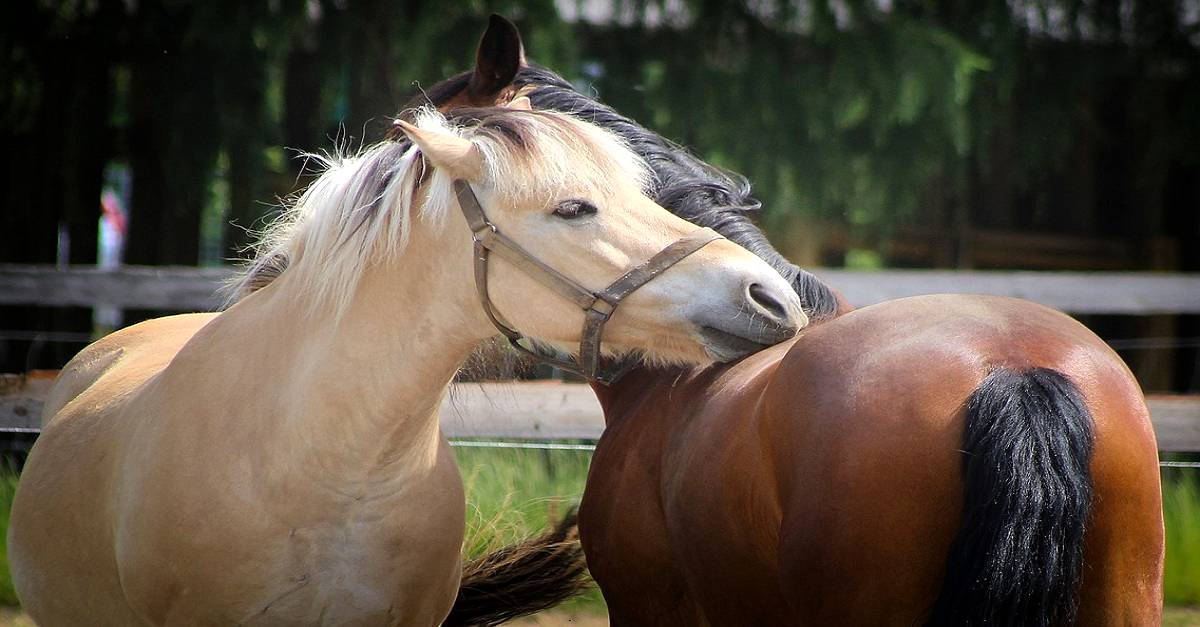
598	307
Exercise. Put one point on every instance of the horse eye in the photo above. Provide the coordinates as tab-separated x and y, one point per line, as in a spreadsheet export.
572	209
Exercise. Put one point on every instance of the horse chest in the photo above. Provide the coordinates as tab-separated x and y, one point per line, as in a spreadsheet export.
306	557
392	561
363	572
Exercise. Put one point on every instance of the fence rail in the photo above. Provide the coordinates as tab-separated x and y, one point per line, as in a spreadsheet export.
551	410
555	411
1126	293
178	288
193	289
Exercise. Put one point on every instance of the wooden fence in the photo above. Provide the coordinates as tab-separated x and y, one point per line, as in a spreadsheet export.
193	289
552	410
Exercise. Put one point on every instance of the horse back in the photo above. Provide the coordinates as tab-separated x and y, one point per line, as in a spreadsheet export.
866	418
132	354
82	429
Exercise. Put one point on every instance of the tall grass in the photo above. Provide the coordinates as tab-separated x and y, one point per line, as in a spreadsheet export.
513	494
8	487
1181	509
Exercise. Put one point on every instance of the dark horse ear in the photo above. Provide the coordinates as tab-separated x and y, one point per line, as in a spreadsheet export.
498	60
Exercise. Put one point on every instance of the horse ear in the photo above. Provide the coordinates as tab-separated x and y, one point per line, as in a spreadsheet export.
449	152
500	56
520	103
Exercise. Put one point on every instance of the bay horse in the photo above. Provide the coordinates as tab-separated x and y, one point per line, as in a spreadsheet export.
280	462
939	460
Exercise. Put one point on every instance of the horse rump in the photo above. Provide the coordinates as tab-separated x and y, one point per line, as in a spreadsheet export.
521	579
1018	554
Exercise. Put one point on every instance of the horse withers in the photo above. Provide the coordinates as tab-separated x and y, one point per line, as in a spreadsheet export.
942	460
281	462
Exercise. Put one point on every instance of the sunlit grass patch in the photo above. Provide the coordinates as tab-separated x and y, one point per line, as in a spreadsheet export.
513	494
8	487
1181	508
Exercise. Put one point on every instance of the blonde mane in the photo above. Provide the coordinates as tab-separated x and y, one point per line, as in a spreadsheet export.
359	211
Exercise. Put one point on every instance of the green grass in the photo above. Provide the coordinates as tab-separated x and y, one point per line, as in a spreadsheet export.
8	487
513	494
1181	507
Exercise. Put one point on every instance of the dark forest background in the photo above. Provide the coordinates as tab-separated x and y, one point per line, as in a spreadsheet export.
1026	134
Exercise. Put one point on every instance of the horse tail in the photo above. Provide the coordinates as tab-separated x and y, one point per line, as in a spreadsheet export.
521	579
1018	554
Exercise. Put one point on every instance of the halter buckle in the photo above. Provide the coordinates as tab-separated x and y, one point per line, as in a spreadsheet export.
602	308
484	233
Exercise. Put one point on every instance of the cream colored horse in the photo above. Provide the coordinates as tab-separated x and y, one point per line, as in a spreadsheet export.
281	462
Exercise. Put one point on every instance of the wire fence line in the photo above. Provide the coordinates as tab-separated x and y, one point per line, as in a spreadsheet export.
192	289
539	446
561	413
554	446
550	446
1179	464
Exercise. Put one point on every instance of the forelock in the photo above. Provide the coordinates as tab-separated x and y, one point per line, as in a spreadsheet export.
541	153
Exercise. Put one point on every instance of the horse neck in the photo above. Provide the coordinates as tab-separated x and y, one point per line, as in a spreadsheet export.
361	391
642	386
624	397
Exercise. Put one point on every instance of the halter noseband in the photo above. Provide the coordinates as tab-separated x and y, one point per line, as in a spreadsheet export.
597	307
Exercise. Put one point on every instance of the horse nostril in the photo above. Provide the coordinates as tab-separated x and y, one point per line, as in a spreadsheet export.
763	298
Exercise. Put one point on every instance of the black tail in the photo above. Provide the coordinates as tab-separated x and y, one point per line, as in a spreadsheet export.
521	579
1018	555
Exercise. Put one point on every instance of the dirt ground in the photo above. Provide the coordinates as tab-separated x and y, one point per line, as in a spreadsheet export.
10	617
1181	617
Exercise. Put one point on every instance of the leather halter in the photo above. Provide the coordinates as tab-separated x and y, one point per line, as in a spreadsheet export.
597	307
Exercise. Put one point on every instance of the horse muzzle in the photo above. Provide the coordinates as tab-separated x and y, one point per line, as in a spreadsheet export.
768	313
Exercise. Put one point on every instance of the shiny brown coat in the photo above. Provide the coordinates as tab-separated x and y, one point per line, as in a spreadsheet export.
819	482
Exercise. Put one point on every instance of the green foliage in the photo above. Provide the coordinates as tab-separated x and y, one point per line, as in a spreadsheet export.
859	259
8	487
1057	115
1181	505
846	124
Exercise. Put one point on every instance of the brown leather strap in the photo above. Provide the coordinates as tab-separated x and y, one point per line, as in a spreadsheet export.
598	307
476	218
481	287
643	273
492	239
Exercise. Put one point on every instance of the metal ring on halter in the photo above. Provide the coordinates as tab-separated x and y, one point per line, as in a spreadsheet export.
598	307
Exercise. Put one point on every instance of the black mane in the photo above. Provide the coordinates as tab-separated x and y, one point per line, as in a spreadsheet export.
685	185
